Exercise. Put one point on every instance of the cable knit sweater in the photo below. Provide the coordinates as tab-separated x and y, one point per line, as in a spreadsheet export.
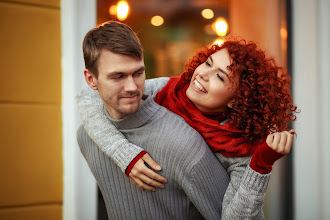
244	197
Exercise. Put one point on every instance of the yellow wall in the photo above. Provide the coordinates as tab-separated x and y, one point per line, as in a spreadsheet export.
30	110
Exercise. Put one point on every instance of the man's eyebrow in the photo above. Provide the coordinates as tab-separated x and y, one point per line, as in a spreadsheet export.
221	70
142	68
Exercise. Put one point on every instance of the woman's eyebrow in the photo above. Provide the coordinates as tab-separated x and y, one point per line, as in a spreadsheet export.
221	70
224	72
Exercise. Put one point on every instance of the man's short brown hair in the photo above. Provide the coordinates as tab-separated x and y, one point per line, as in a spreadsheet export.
113	36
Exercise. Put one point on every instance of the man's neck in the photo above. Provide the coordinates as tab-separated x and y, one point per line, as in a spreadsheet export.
147	110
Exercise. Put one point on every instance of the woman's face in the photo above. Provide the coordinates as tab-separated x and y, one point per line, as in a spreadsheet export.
210	88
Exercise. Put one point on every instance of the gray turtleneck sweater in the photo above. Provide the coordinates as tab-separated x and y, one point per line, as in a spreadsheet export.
244	197
196	179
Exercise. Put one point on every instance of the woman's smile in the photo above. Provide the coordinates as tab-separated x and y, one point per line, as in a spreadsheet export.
199	87
210	89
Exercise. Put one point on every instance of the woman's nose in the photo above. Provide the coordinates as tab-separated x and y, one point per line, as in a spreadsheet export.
204	74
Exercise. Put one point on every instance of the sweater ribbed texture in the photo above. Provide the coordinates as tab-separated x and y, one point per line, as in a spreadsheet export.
196	179
244	197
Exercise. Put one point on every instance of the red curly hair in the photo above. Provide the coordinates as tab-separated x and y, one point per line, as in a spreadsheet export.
263	100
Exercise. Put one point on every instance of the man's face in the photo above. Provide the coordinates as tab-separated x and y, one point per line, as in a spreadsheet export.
120	82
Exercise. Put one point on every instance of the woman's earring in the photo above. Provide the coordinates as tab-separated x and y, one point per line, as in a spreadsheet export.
230	105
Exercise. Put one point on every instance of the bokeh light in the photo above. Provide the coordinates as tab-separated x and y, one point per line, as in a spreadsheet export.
220	26
113	10
207	13
284	33
218	41
122	10
157	20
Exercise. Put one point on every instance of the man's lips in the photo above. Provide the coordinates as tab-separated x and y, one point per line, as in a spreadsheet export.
129	96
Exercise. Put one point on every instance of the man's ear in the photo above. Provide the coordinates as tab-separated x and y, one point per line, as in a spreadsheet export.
90	79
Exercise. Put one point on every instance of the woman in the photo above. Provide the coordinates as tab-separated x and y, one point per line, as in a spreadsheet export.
240	102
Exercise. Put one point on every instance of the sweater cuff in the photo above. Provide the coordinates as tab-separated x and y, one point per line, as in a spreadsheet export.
264	158
131	165
256	181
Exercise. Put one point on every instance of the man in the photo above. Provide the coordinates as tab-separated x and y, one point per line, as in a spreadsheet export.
196	181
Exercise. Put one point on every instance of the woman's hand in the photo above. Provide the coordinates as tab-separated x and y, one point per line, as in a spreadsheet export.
145	178
281	142
277	145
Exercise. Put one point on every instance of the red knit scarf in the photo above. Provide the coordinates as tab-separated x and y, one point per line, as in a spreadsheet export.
223	138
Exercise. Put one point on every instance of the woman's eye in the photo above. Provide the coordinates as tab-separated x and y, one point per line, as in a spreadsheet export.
220	78
207	63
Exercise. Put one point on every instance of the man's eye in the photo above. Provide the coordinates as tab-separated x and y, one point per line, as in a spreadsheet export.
207	63
118	77
138	74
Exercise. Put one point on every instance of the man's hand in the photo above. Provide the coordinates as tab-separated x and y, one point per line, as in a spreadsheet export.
281	142
145	178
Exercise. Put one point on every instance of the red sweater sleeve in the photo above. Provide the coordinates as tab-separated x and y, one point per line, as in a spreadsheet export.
263	159
131	165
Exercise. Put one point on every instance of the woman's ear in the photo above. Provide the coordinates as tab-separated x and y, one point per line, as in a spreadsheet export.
230	104
90	79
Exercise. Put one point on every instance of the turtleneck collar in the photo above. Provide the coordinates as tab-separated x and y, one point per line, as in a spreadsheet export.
146	111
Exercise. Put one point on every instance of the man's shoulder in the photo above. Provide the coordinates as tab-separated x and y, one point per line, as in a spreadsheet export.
81	131
176	121
177	132
82	137
184	142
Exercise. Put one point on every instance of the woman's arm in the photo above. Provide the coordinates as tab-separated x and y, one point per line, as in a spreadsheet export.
244	198
249	177
152	86
130	158
102	131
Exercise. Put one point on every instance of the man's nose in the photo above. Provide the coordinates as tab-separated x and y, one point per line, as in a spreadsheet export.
130	84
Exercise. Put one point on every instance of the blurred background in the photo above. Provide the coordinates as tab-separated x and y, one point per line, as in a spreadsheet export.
44	176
